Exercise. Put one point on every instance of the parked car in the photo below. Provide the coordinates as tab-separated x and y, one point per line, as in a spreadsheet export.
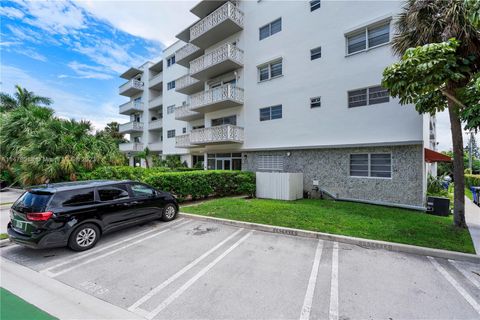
77	214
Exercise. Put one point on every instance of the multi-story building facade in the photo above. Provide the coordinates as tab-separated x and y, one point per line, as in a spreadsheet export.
285	86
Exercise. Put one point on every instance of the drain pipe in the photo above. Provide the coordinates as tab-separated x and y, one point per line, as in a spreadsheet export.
379	203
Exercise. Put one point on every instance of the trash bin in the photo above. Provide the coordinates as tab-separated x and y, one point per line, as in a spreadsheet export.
476	194
438	206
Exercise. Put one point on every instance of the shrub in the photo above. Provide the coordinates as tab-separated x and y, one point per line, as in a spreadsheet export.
435	186
120	173
197	184
472	180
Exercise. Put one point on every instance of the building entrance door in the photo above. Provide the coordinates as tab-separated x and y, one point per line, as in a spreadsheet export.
223	164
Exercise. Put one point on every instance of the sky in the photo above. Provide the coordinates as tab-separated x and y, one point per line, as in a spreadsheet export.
74	51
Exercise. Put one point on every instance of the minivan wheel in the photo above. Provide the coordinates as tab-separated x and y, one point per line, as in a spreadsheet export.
169	212
84	237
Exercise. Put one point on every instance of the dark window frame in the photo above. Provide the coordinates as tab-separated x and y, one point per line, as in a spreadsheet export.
315	4
368	100
266	31
267	113
114	186
169	133
315	55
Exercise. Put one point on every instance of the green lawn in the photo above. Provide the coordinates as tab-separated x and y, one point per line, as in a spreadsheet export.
15	308
344	218
468	193
3	236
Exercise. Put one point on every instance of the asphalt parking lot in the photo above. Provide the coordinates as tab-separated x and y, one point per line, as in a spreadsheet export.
191	269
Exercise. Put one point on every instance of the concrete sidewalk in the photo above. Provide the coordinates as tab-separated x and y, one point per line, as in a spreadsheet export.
55	297
472	217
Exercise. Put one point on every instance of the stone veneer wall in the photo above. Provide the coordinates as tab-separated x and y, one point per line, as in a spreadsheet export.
331	168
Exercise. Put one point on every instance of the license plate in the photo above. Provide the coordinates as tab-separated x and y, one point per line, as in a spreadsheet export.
19	224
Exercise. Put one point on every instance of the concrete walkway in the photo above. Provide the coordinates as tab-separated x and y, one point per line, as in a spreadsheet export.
472	217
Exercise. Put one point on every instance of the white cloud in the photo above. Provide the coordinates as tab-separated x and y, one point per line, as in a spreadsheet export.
154	20
66	105
53	16
11	12
88	72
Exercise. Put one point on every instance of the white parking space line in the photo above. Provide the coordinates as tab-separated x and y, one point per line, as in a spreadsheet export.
307	302
154	291
333	314
55	274
192	280
455	284
92	252
466	273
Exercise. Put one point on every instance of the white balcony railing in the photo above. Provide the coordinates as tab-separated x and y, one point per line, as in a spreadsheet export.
215	95
182	141
157	79
185	51
226	11
155	124
131	106
131	147
131	126
219	134
184	112
156	102
225	52
131	84
185	81
156	146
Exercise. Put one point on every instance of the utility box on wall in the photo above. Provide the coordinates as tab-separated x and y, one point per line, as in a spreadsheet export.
279	185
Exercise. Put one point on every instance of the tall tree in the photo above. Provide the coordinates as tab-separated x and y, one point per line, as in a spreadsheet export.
22	98
438	72
112	130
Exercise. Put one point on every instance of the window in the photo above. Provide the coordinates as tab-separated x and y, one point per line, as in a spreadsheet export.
113	193
270	70
224	161
367	96
315	102
271	113
270	162
171	85
316	53
376	165
171	109
184	130
35	201
171	133
170	61
225	120
377	35
314	5
142	191
270	29
74	197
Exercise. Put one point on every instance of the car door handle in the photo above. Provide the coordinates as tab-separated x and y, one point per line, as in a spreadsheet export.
130	204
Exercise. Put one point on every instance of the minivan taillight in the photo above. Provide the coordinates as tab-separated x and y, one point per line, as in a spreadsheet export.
39	216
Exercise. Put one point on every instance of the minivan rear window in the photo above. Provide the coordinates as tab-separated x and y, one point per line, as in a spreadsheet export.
32	202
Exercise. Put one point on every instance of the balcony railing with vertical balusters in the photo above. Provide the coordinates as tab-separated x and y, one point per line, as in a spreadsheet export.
216	135
223	53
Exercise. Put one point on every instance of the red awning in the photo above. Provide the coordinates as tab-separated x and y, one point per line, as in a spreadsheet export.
433	156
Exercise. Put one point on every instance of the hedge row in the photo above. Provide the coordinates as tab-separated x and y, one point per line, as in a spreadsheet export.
187	183
472	180
197	184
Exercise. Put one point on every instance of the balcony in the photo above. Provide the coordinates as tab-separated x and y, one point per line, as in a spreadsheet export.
221	60
218	25
222	97
131	147
131	88
131	127
131	107
156	82
185	113
155	103
217	135
156	146
188	85
187	53
183	141
155	125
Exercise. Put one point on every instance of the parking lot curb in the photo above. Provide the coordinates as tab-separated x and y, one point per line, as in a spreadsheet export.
55	297
365	243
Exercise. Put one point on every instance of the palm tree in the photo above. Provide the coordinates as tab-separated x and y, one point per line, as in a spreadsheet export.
22	98
145	154
432	21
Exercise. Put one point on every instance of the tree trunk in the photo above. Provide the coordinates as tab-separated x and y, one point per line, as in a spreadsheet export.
458	166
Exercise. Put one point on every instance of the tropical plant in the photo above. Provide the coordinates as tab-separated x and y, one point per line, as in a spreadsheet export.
22	98
145	154
112	130
439	42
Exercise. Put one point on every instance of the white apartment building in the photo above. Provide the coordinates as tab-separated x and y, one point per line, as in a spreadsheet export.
288	86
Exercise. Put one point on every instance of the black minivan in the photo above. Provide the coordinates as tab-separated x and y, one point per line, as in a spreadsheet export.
76	214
